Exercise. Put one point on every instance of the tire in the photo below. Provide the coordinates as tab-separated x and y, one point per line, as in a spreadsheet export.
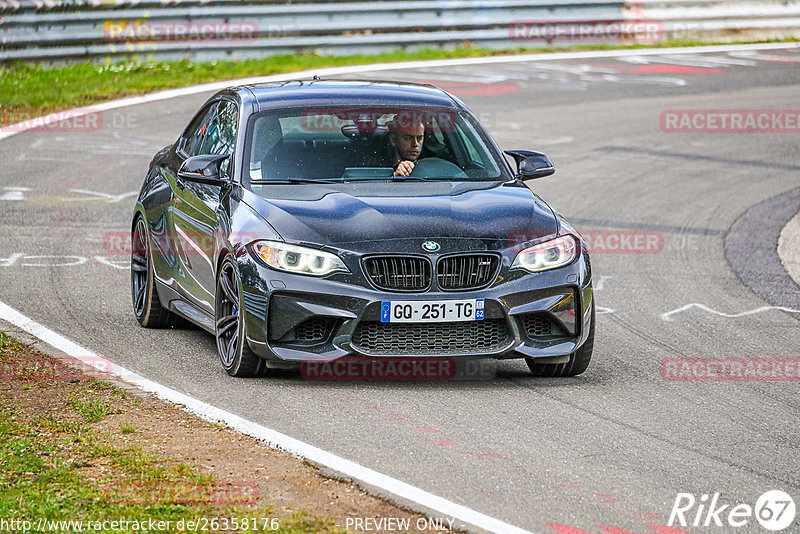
146	304
236	357
578	360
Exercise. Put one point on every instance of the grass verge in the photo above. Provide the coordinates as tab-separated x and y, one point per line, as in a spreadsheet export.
56	467
28	91
77	448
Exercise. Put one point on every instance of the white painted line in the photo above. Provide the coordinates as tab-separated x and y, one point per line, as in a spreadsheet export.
10	130
272	437
668	316
96	195
123	264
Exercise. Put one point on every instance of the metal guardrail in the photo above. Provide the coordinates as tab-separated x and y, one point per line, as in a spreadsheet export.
61	31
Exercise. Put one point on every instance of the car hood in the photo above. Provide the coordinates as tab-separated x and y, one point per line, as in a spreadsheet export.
338	214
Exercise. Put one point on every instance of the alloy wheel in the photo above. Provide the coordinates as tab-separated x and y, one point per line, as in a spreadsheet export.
228	315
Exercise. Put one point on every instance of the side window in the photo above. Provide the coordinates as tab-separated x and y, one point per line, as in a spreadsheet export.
475	149
195	133
221	132
473	153
220	136
434	130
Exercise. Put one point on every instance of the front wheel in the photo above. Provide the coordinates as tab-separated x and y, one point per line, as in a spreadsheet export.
236	357
578	360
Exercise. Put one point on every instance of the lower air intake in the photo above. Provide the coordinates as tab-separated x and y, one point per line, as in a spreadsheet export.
472	337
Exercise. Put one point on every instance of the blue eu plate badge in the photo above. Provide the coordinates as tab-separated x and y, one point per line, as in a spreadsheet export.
424	311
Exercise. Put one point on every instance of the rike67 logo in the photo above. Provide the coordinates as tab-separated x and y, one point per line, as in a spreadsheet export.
774	510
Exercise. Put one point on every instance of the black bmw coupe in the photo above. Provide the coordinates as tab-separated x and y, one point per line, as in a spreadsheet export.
316	220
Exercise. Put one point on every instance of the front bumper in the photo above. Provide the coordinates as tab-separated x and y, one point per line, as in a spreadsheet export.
295	318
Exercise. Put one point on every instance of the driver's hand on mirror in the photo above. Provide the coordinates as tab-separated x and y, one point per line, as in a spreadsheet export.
404	168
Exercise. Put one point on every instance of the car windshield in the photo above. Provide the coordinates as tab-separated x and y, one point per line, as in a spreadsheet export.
334	145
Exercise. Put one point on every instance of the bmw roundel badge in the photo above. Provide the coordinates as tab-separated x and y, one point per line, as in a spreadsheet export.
431	246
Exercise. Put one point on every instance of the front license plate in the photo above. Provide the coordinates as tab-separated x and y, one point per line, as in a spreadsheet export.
431	311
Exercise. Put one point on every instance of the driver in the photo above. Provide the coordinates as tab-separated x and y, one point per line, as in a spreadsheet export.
406	139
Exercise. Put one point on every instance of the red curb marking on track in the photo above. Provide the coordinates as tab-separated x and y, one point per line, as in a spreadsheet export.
571	486
648	514
474	88
672	69
778	59
657	69
485	459
487	91
659	529
443	442
426	429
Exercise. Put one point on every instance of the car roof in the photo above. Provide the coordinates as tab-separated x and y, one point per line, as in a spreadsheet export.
348	92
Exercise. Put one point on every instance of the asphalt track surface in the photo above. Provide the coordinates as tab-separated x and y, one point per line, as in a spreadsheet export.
612	447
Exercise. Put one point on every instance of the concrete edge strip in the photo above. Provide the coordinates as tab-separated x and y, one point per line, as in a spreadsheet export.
750	247
12	129
789	248
272	437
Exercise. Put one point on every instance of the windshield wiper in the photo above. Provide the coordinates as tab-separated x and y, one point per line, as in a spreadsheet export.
390	179
297	180
294	180
407	179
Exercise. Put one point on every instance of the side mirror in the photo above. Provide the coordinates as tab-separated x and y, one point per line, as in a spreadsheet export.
531	165
203	169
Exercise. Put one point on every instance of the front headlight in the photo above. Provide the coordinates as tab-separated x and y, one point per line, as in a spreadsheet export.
300	260
549	255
